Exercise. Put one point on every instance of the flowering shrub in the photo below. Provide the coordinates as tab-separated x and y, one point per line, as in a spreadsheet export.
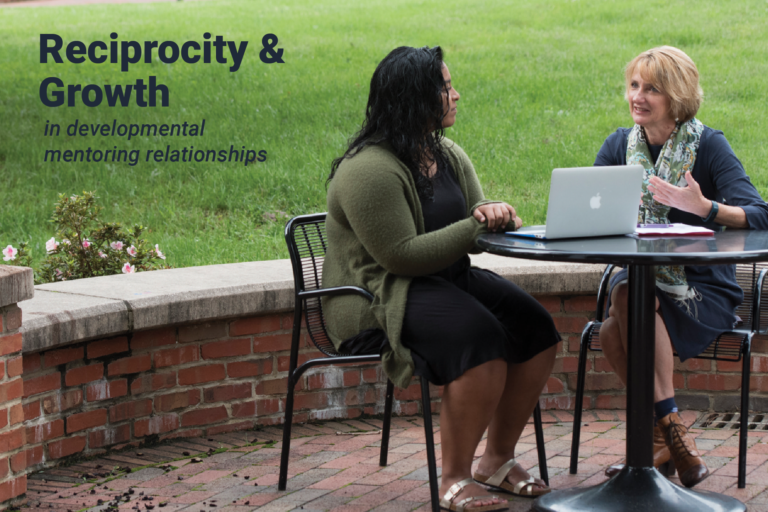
86	247
17	256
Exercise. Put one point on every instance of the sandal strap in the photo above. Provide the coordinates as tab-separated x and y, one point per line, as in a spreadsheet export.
456	488
462	505
499	476
522	484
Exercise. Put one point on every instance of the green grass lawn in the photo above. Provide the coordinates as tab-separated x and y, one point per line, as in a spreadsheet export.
541	86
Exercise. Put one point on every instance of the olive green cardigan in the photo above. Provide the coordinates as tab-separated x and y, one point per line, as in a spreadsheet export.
376	241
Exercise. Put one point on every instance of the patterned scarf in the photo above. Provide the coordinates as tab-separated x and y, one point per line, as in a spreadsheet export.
676	158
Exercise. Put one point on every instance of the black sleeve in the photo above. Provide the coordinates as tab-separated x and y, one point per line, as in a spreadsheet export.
614	149
731	182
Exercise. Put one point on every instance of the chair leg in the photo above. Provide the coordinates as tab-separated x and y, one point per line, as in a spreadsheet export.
285	452
579	398
540	448
387	421
428	434
744	414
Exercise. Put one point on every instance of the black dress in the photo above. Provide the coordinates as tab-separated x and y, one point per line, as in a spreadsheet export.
462	317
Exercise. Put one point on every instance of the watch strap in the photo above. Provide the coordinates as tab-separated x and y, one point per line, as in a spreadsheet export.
712	213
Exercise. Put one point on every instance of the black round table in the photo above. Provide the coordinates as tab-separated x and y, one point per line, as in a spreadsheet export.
639	486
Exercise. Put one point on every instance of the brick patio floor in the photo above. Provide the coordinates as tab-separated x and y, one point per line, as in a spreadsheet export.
334	466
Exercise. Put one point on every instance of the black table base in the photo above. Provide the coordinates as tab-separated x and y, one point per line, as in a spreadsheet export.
636	489
639	487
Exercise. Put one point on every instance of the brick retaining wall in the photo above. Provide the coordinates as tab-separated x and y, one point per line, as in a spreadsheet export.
15	286
13	463
216	377
83	395
210	378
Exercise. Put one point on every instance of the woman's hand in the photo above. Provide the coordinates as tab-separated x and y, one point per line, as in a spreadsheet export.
688	199
497	215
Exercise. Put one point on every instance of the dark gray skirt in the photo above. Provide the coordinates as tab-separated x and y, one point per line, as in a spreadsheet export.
709	317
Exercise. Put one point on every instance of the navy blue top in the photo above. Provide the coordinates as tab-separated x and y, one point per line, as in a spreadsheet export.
721	177
717	170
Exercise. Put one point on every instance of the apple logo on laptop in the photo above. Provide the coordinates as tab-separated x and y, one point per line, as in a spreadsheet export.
594	202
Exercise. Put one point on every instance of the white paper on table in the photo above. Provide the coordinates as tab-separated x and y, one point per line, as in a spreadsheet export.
676	229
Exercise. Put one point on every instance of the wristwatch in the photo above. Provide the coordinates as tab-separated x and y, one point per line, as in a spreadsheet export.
712	213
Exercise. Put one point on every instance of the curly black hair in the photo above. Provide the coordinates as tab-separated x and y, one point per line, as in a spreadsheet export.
405	109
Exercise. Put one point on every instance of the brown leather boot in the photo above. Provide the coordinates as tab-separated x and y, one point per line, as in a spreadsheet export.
687	459
661	457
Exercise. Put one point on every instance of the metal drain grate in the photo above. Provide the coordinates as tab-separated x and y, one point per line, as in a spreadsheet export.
730	421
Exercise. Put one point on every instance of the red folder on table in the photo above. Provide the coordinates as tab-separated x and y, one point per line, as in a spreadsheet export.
676	229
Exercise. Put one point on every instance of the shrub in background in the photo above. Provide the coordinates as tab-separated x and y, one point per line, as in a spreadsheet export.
20	256
84	246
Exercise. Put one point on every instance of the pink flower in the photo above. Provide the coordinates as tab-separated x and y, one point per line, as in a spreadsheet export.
132	251
51	245
129	269
102	255
86	244
117	246
65	241
9	253
159	254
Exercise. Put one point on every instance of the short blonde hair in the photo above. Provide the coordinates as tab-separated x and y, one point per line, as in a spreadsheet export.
672	72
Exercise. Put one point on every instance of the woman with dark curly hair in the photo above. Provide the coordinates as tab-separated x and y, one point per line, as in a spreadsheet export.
404	209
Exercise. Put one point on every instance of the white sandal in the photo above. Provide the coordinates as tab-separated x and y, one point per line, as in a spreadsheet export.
498	482
446	502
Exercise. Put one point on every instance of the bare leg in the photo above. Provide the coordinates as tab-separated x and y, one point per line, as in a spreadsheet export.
523	386
613	340
467	406
665	361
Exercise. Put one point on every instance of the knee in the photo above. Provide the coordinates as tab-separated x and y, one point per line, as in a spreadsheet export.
619	301
610	337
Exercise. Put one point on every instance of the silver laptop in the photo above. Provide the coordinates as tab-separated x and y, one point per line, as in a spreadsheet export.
590	201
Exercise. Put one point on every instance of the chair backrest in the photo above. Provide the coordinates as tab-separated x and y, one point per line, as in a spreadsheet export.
746	276
305	236
729	346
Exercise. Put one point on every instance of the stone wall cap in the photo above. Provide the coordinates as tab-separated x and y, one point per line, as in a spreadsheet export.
16	284
99	307
56	318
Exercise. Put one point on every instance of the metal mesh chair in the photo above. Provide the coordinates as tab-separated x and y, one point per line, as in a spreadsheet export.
305	236
730	346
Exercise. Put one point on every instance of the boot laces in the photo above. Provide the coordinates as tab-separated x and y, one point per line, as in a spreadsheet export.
681	443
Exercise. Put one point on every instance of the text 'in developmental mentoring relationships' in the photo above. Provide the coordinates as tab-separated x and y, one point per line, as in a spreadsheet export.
133	157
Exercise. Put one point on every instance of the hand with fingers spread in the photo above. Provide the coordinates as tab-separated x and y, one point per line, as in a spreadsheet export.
497	216
688	199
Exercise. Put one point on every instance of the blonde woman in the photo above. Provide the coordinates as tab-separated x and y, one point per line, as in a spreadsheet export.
692	176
